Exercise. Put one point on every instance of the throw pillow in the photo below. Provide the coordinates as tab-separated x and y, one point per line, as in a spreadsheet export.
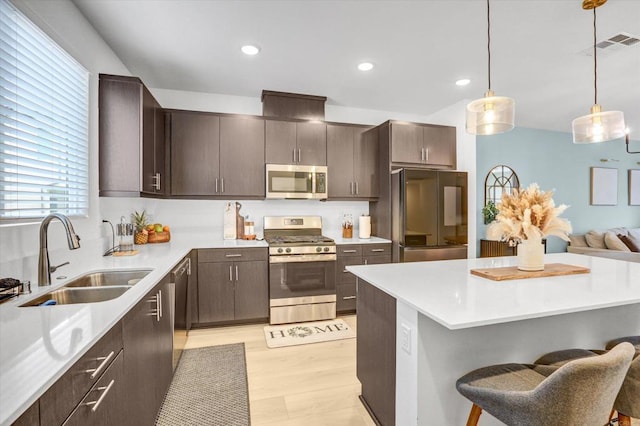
630	242
595	239
578	240
612	242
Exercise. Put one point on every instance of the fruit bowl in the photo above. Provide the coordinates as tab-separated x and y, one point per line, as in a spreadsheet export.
159	237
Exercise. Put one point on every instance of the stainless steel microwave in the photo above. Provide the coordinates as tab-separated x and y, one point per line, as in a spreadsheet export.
296	182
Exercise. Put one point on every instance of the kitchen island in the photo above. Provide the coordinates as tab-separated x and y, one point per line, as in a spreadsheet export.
423	325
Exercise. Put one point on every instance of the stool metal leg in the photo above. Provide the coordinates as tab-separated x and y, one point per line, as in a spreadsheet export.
474	415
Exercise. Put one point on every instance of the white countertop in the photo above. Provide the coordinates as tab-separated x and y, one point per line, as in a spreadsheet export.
341	241
38	344
446	292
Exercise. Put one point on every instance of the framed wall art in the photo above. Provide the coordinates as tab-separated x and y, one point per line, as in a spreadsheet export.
634	187
604	186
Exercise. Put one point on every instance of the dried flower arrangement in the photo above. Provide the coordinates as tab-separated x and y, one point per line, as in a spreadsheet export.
529	215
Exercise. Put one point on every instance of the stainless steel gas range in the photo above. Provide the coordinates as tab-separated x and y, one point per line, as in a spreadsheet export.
302	269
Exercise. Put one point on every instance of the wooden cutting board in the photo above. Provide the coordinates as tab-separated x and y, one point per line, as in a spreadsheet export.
513	273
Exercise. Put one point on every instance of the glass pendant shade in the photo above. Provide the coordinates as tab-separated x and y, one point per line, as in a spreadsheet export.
598	126
490	115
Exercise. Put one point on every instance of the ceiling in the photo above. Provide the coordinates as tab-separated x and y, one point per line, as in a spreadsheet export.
419	48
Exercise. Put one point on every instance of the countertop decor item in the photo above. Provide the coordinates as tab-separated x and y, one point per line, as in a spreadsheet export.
347	226
598	125
514	273
140	220
527	216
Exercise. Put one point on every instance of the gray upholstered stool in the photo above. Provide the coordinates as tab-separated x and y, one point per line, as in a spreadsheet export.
580	392
627	403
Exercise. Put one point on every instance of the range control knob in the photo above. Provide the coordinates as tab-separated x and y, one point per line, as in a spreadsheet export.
288	250
326	249
280	250
318	249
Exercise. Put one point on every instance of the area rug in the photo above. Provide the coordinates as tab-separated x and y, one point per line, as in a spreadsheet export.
309	332
209	387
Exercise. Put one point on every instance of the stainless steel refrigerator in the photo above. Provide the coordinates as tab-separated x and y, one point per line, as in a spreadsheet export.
429	215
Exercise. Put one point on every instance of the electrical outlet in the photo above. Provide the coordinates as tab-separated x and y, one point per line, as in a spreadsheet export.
405	337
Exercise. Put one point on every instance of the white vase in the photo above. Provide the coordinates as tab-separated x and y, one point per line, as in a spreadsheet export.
531	255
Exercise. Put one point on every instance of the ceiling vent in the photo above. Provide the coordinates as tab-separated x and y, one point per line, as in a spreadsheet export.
611	45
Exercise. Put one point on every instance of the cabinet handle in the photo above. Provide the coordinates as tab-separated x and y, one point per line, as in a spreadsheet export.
299	155
357	190
222	185
294	155
366	261
377	250
351	188
216	185
230	274
236	272
233	255
344	271
349	251
106	390
154	312
426	154
156	182
105	360
348	297
159	305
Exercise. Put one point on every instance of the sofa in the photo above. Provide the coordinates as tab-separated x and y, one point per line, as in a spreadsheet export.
615	243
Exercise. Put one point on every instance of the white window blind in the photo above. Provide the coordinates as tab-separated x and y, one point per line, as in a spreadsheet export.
44	151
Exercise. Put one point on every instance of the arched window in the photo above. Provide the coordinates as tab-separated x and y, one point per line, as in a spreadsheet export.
500	180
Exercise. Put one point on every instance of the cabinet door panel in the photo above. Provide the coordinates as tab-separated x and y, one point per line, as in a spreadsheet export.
215	292
195	150
252	290
440	144
342	275
148	141
280	142
346	297
340	160
164	344
366	162
311	140
242	156
406	143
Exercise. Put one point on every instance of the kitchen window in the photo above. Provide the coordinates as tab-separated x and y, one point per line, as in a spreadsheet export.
44	151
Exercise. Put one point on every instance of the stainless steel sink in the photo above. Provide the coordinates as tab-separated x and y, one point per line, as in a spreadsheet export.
93	287
109	278
66	295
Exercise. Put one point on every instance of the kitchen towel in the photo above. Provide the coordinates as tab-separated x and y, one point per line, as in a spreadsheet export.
365	227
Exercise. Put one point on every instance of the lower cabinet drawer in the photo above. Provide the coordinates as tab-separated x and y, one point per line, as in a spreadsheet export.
103	403
345	297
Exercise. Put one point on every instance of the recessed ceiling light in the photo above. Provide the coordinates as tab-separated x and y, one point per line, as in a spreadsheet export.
463	82
250	49
365	66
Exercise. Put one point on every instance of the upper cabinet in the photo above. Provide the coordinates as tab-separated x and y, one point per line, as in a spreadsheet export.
292	142
131	138
214	155
422	144
352	159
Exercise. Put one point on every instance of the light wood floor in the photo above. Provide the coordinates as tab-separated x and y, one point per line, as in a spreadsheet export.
306	385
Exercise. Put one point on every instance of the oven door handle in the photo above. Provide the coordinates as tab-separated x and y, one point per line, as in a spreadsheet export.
303	258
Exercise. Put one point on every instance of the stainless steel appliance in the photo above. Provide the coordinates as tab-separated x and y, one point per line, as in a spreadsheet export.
179	292
293	181
302	267
429	215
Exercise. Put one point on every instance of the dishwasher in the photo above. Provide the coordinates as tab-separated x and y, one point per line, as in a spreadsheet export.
181	310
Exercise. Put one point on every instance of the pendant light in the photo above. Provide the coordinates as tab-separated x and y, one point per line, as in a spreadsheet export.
599	126
491	114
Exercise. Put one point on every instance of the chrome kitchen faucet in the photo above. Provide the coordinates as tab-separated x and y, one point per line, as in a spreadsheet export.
44	269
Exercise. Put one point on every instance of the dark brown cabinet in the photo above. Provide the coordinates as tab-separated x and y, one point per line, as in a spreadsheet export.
355	254
147	334
422	144
295	142
132	150
217	155
376	352
352	159
232	285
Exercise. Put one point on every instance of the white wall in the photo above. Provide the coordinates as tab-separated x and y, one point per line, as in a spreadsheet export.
62	21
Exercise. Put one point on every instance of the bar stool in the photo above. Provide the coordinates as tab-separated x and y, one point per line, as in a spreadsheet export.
627	403
580	392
